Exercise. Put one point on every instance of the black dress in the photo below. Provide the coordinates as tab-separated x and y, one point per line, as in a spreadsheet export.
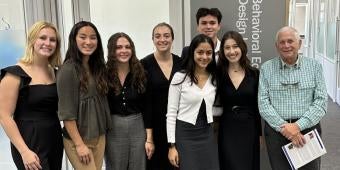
36	117
157	94
240	125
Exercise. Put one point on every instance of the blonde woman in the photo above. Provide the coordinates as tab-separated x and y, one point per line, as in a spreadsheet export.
29	102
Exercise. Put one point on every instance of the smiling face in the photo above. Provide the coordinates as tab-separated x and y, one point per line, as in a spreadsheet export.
123	50
162	38
209	26
86	40
288	45
46	43
232	51
203	55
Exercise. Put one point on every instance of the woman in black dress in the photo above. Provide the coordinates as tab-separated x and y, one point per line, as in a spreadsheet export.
160	67
240	126
28	92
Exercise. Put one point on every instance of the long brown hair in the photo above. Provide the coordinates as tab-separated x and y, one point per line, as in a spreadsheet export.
223	63
96	61
136	68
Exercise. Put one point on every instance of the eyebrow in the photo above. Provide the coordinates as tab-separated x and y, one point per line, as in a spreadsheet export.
87	34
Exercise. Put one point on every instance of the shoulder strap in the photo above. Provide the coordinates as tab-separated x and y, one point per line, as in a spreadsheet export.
18	71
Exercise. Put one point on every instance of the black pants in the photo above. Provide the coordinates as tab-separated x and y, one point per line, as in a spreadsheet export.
44	138
274	142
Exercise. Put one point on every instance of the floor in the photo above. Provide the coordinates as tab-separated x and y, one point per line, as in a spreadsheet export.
330	133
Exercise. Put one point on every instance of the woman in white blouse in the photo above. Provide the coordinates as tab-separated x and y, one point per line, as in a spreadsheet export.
189	117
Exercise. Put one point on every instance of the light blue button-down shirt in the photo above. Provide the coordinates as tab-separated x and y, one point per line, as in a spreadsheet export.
292	92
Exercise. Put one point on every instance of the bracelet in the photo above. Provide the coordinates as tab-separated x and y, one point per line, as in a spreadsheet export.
148	142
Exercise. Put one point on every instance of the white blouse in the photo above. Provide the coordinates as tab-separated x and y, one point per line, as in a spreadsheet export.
184	102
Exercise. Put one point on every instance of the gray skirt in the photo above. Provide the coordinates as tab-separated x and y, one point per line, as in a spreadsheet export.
196	144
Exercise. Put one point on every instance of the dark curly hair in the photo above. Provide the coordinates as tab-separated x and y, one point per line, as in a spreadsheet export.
96	61
136	68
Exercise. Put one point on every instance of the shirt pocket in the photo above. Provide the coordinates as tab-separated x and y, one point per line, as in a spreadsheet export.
278	92
305	92
306	85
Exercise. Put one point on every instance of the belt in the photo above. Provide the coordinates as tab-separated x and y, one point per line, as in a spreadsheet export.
237	109
291	120
317	126
125	114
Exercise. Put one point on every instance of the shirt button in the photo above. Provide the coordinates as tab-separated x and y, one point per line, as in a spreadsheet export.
123	98
124	104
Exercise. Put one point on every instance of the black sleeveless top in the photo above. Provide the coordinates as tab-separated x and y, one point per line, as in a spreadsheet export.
36	118
35	102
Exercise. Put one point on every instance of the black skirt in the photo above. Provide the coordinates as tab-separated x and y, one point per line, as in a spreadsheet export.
196	144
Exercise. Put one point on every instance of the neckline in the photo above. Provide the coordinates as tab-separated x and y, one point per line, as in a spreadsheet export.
205	83
159	67
50	84
27	75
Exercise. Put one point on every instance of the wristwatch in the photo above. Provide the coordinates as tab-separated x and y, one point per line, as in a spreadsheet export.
172	145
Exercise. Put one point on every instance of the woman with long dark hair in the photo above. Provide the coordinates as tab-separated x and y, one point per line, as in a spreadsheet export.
130	139
190	110
82	88
240	124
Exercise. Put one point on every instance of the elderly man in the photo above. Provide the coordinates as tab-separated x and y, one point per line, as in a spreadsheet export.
292	98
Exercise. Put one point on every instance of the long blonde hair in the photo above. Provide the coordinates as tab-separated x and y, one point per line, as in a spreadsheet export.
55	59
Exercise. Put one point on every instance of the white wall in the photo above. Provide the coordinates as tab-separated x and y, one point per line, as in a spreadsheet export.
338	52
300	18
330	77
13	13
12	42
134	17
176	21
12	31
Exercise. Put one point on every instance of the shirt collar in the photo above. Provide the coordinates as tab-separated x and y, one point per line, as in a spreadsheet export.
218	44
297	64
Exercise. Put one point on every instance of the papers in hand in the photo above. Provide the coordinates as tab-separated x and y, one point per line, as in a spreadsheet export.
314	148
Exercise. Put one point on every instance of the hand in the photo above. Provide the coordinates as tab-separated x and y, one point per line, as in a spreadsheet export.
298	140
289	130
31	160
173	156
149	149
83	153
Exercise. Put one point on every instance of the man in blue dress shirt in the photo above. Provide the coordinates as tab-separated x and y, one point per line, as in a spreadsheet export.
292	98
